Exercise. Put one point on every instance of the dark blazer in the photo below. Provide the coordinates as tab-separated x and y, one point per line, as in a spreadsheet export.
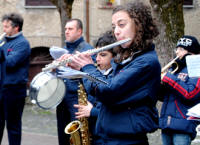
128	101
2	68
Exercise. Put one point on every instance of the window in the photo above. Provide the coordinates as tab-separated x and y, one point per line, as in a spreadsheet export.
106	4
38	4
188	4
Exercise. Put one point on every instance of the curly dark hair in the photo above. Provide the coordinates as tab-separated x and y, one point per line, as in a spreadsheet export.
146	28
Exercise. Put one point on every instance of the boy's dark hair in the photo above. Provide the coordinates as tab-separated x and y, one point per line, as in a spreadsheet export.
16	19
106	39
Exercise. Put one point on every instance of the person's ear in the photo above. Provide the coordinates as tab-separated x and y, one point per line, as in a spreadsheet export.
16	29
80	31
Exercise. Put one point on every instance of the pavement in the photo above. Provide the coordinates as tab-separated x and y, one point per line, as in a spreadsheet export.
39	128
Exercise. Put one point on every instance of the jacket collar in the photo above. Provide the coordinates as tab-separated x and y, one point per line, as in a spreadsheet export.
136	54
14	36
73	45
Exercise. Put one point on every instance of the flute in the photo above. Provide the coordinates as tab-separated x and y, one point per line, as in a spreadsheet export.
2	36
55	64
1	39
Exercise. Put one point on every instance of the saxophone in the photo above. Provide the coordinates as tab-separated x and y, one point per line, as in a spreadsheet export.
79	129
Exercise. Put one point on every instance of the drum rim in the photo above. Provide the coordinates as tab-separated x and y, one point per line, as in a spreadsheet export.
53	106
39	74
35	89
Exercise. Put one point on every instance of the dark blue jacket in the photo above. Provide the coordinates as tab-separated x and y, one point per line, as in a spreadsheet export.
2	68
96	106
17	59
94	112
93	118
72	84
128	101
180	93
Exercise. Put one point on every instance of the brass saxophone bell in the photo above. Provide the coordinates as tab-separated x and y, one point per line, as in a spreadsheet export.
79	129
73	129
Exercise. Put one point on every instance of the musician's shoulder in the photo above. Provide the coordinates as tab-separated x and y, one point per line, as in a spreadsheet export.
85	46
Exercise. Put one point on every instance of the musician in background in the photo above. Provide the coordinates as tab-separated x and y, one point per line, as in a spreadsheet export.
128	111
65	110
179	92
12	101
103	60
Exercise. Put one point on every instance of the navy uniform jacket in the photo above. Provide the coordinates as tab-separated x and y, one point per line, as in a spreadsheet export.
17	59
95	109
180	93
128	101
72	84
2	68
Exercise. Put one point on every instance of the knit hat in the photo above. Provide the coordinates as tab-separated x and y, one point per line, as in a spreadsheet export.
189	43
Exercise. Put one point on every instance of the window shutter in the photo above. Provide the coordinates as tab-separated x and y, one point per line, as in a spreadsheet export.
38	3
188	2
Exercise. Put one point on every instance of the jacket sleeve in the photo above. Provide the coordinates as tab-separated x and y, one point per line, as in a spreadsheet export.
187	89
162	92
96	105
130	81
94	112
19	53
2	66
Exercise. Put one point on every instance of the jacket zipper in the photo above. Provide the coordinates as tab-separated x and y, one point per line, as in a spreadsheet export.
179	110
168	120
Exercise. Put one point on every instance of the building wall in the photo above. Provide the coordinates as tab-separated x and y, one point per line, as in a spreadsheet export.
42	25
192	19
99	16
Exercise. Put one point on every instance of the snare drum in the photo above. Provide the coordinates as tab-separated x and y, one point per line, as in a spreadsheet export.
47	90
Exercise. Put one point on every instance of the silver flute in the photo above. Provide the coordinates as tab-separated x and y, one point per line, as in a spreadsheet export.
55	64
2	36
1	39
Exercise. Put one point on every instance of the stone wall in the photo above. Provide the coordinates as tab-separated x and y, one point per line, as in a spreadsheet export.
42	25
99	18
192	19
